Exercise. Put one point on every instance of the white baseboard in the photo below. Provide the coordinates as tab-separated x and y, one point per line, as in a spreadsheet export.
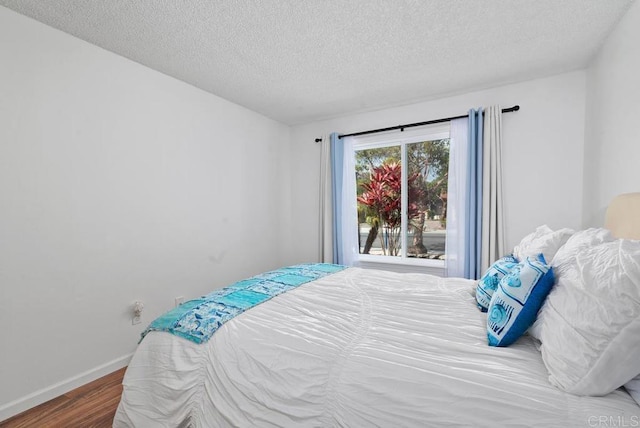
45	394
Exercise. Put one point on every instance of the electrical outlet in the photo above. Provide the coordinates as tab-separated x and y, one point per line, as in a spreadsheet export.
179	300
138	306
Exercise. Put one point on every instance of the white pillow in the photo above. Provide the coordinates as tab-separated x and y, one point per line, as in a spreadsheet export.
563	260
543	240
590	323
577	242
527	240
633	388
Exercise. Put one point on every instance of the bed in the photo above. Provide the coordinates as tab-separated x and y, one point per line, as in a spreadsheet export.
360	348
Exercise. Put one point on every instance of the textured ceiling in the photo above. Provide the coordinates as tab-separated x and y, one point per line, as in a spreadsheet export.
302	60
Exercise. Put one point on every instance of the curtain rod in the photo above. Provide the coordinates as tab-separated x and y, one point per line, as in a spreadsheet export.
411	125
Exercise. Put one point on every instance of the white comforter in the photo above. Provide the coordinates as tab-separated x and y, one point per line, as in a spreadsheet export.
359	348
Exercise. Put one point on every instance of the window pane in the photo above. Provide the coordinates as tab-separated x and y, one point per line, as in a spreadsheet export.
378	178
427	166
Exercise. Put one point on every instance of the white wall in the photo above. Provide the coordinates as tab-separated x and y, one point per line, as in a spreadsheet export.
612	141
543	154
117	183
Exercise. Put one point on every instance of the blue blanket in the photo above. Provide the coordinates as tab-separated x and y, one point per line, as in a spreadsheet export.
197	320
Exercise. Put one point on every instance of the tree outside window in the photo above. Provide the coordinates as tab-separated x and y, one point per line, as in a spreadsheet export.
379	189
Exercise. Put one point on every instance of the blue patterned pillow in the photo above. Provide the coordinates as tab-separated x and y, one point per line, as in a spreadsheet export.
489	281
517	300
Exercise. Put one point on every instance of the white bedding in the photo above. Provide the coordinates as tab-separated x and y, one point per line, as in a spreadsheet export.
358	348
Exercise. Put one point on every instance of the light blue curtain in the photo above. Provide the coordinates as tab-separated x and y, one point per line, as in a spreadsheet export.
337	161
473	218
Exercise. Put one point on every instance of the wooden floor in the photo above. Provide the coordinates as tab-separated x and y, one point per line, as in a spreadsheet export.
90	406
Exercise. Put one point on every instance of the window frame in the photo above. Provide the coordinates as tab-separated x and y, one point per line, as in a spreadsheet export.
402	139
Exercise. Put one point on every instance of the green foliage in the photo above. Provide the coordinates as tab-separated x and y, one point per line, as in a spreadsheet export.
431	160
